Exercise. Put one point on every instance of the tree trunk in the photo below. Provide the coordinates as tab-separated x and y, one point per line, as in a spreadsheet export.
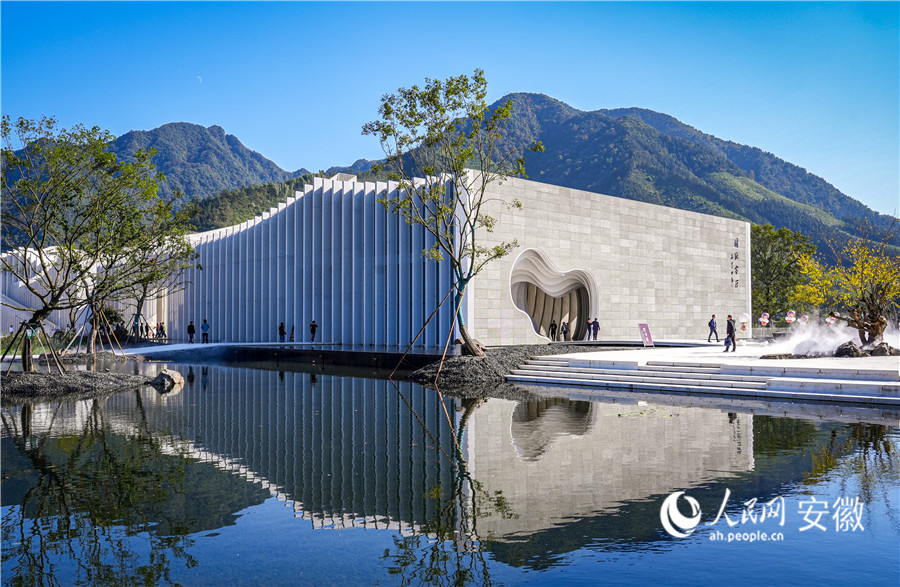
34	324
92	340
870	330
471	346
27	359
139	309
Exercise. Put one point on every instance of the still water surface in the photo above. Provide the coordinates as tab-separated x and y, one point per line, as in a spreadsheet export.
251	476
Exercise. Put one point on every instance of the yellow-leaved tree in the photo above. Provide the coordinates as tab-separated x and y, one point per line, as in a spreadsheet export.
862	288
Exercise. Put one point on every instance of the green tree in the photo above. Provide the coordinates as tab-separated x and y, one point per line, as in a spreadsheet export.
775	266
432	136
78	225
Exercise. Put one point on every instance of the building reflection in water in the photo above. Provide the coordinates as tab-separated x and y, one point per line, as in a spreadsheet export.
341	452
561	460
349	452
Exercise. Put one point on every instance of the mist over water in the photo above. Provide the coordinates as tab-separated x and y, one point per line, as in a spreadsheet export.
822	339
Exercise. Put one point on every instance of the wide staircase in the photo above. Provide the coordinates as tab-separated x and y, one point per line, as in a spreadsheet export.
869	386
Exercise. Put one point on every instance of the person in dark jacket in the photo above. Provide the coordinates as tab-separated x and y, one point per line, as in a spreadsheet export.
552	329
312	331
281	332
712	330
191	331
730	336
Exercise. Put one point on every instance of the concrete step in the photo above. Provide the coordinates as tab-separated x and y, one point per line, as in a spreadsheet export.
642	373
679	368
723	391
637	377
813	372
836	386
681	364
625	383
547	362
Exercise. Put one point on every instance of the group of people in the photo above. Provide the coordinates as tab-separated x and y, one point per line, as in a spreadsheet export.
147	331
282	331
204	331
593	327
563	330
730	333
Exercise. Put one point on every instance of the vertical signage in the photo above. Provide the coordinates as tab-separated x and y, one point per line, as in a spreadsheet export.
734	272
645	335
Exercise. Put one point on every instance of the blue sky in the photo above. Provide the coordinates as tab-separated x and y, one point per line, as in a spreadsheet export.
817	84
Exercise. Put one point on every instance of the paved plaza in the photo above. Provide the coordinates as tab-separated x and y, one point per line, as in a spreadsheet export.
705	369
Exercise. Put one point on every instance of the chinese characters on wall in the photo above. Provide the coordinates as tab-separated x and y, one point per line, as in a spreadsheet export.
734	272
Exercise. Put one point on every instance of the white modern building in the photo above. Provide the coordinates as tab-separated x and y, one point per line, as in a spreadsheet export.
334	255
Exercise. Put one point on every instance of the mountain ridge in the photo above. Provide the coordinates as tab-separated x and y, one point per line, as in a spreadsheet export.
634	153
201	161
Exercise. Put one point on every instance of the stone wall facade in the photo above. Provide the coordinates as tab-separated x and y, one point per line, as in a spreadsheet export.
334	255
668	268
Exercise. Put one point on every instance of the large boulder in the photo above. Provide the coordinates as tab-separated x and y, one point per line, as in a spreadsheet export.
167	380
883	349
850	349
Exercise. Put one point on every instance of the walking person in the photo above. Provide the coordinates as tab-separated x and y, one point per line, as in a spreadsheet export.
312	331
204	329
191	331
712	329
729	335
564	330
595	328
552	329
281	332
588	331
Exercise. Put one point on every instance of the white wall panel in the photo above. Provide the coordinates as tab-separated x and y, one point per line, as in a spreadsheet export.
331	253
379	267
392	293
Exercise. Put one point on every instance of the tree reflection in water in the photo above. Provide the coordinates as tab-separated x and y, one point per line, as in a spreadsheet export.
865	463
89	493
448	549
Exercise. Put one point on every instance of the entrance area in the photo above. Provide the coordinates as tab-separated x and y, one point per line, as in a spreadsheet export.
549	295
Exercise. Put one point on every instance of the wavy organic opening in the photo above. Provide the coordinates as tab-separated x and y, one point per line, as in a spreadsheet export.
535	425
549	295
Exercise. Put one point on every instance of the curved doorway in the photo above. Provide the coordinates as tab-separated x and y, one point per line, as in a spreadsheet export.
548	295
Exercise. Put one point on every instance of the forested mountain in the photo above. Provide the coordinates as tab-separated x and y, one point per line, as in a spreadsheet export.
765	168
201	161
233	206
644	155
627	152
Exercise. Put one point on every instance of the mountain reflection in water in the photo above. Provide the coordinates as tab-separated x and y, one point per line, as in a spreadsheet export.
86	483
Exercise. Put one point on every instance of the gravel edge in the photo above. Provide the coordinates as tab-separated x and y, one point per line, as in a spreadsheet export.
19	387
483	377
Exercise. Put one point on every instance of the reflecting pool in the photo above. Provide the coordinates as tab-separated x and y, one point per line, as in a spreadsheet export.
250	476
